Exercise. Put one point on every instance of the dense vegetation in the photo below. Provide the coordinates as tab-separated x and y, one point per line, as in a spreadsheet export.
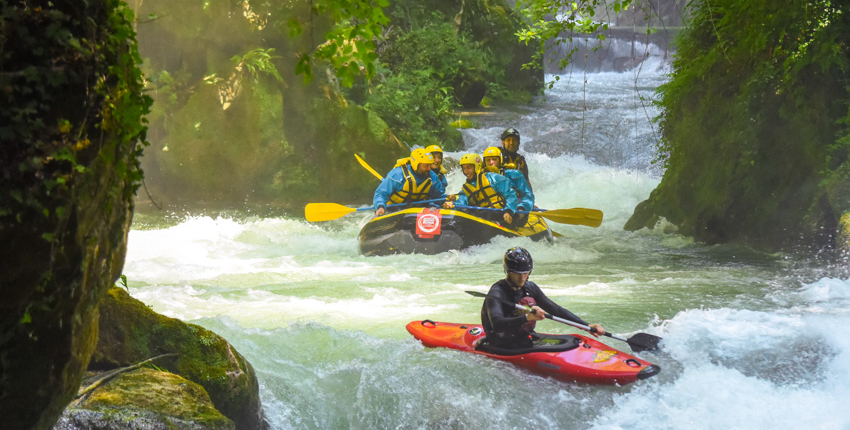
755	125
441	55
228	79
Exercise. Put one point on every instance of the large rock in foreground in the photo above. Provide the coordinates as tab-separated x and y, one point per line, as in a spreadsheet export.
145	399
71	104
131	333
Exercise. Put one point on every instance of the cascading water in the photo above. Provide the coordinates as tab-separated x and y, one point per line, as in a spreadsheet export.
751	340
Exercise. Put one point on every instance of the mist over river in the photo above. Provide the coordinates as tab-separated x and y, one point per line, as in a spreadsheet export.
751	340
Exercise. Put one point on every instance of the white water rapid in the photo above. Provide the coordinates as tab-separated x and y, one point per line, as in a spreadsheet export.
751	340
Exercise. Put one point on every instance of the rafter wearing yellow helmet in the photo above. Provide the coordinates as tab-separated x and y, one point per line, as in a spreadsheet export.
411	180
486	189
437	166
493	163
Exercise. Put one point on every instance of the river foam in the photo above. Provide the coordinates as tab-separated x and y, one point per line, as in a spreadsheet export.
751	340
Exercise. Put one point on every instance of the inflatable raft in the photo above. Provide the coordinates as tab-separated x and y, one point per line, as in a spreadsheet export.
433	230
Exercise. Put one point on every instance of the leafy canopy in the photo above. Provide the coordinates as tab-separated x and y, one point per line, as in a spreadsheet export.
571	17
349	46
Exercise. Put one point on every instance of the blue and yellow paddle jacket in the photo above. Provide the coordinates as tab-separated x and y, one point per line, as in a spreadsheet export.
402	185
518	162
523	190
489	190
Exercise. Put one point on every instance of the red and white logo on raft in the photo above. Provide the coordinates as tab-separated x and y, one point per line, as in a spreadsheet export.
428	223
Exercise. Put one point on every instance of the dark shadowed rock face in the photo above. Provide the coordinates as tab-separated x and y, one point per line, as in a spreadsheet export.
130	333
70	109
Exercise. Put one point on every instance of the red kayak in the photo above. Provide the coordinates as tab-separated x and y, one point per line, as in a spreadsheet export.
570	357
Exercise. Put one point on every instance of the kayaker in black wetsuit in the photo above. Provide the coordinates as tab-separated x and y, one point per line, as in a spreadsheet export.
505	325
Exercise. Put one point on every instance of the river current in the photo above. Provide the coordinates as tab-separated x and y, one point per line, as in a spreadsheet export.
751	340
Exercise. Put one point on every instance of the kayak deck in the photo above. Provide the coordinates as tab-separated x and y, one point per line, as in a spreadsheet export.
571	358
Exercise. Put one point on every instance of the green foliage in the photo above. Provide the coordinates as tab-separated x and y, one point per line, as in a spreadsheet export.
439	51
755	121
724	55
415	95
573	17
221	107
415	106
349	45
123	283
70	89
256	62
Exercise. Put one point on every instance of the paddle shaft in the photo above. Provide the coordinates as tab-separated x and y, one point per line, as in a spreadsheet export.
488	209
330	211
568	322
405	204
538	211
368	167
548	315
574	216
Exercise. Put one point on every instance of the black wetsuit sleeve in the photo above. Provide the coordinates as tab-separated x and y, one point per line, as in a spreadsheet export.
549	306
497	316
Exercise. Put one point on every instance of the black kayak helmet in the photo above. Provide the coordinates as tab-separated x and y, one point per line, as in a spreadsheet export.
517	260
510	132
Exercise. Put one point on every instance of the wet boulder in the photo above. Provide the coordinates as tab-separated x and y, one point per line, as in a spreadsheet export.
130	333
145	398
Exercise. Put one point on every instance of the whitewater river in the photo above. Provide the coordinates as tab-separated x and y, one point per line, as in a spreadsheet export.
751	340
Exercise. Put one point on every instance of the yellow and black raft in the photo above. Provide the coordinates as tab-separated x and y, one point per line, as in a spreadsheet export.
434	230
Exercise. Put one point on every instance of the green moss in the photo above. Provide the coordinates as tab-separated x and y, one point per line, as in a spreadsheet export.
127	337
159	392
750	122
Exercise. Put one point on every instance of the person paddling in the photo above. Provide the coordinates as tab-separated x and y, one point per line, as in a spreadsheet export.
411	180
504	325
511	159
437	165
487	190
493	163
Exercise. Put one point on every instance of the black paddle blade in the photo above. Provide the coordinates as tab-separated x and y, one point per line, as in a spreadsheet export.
643	342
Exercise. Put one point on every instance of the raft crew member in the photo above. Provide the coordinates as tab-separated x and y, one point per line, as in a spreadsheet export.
486	189
410	181
437	166
510	158
504	324
493	163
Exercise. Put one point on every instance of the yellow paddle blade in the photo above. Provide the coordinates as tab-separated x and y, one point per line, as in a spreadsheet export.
368	167
325	211
574	216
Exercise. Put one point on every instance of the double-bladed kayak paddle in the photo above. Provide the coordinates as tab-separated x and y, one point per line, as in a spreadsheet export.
639	342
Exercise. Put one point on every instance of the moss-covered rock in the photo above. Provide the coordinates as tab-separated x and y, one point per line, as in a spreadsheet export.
145	398
130	333
755	123
71	133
